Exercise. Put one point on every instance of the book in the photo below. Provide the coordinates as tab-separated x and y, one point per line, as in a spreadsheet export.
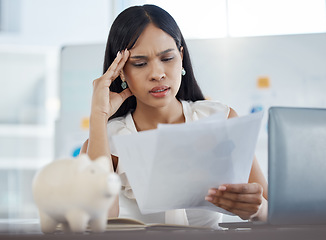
123	224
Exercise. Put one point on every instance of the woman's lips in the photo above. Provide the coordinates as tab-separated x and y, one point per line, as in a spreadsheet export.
160	91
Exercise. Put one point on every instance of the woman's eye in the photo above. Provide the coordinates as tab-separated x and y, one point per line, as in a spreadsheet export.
167	59
139	64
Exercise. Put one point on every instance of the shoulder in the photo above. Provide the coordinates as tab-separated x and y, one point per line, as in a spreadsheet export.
119	126
115	123
204	108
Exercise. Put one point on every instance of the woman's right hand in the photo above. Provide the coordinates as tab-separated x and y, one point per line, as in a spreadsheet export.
104	102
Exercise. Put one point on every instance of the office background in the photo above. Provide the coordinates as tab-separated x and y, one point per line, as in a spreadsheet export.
249	54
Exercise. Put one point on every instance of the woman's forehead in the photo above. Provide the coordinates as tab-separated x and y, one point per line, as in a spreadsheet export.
153	39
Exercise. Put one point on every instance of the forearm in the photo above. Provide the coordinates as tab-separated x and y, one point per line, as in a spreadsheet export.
98	144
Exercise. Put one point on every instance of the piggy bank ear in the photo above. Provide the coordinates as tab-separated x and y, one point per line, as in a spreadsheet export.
103	163
83	162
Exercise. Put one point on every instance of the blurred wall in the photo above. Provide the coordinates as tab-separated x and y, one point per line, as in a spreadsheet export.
55	22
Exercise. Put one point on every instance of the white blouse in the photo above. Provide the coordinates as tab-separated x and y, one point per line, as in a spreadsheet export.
127	202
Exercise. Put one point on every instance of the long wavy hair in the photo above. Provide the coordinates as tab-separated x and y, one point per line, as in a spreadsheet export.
125	31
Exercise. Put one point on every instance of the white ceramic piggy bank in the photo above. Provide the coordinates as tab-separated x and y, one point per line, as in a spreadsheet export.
75	192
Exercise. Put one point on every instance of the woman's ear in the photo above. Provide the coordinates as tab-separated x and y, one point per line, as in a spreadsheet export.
181	52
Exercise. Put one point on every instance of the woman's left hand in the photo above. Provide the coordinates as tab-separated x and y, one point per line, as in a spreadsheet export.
245	200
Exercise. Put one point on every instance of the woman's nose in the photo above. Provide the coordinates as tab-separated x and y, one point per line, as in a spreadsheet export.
157	73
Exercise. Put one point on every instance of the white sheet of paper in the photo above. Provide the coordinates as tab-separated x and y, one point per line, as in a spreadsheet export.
173	166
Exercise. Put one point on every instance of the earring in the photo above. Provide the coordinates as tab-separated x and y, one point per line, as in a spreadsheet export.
124	83
183	72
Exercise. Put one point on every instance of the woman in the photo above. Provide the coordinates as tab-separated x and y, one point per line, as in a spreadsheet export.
148	71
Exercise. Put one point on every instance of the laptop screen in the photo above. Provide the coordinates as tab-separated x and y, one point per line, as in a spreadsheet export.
297	165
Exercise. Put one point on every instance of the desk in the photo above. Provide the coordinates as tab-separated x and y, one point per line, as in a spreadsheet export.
31	231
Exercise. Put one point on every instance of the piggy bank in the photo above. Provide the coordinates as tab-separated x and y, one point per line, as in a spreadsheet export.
75	192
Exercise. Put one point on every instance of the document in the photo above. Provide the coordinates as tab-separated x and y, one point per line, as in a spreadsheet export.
173	166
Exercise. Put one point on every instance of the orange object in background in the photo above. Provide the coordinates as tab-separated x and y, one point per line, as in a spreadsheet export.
84	123
263	82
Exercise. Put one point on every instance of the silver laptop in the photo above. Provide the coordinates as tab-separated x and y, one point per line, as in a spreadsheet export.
296	168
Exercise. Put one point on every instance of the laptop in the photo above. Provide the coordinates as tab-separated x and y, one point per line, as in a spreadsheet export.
296	168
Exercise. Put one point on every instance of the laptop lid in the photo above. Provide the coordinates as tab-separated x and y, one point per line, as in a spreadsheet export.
297	165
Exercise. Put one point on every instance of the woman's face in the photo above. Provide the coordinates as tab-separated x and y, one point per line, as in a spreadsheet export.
153	70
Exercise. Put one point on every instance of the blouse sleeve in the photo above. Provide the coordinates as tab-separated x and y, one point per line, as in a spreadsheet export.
116	126
205	108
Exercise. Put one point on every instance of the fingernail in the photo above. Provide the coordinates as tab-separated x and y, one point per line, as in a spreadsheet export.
211	191
222	188
118	53
207	198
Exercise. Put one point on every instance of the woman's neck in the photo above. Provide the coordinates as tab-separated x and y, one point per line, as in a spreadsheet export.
146	117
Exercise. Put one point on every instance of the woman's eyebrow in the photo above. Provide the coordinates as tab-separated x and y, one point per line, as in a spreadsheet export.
138	57
145	57
165	51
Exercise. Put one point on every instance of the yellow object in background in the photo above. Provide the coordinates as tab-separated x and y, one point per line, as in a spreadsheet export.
263	82
84	123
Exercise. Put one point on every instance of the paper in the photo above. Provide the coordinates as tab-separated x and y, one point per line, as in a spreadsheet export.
173	167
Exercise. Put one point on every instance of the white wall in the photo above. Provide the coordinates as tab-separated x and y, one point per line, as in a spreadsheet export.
56	22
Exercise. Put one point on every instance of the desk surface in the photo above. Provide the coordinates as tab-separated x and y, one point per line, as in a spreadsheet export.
31	231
